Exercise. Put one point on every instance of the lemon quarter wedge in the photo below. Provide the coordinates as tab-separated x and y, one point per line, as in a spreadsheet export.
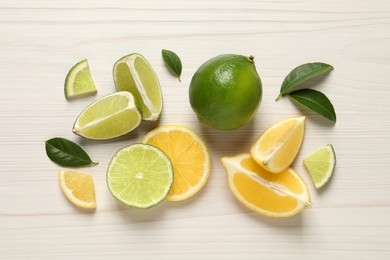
276	148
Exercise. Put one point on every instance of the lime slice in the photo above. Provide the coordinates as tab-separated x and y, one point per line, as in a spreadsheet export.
140	175
320	165
134	74
108	117
79	81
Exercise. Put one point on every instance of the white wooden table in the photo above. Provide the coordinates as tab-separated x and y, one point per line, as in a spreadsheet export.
41	40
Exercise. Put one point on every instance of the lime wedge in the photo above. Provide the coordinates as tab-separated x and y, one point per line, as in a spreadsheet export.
79	81
140	175
320	165
108	117
134	74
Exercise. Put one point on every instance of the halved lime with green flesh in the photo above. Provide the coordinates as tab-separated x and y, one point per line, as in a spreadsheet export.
108	117
320	165
134	74
79	81
140	175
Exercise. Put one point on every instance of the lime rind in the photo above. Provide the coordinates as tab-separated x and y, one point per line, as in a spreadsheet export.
133	73
140	175
109	117
321	165
79	82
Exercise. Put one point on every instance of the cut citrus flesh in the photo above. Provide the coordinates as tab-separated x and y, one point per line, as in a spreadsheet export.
140	175
189	156
134	74
79	81
320	165
108	117
78	188
277	146
274	195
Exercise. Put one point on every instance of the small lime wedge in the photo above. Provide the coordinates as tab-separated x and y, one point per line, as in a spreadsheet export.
108	117
320	165
140	175
134	74
79	81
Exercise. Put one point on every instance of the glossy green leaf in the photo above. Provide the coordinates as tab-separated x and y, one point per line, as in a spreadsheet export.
315	101
67	153
173	62
302	73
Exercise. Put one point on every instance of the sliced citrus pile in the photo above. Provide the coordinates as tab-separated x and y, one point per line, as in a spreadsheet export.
189	156
134	74
275	195
276	148
108	117
78	188
320	165
79	81
140	175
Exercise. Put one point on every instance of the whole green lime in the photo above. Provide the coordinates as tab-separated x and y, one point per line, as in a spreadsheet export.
225	92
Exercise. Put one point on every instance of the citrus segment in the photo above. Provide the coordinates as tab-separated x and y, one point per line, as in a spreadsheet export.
276	147
79	81
108	117
189	156
134	74
140	175
321	165
78	188
274	195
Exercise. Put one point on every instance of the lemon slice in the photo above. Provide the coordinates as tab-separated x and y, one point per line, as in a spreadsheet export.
78	188
274	195
134	74
189	156
108	117
320	165
140	175
79	81
276	148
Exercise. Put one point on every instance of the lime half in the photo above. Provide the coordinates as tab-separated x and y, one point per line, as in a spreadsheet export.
79	81
140	175
134	74
108	117
320	165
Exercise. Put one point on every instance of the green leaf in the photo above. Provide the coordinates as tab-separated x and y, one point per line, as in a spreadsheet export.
173	62
67	153
302	73
315	101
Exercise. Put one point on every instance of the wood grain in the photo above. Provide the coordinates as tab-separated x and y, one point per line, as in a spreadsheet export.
41	40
